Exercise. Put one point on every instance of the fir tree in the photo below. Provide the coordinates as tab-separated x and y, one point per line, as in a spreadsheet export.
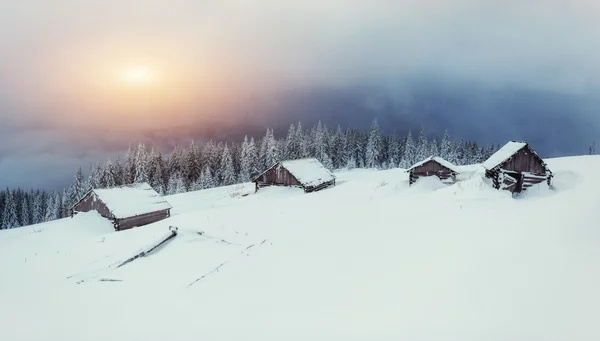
192	163
118	172
254	160
157	181
25	213
422	147
393	151
141	164
129	168
433	148
227	168
109	176
374	147
206	179
245	161
38	209
446	148
408	159
94	177
292	145
79	187
10	218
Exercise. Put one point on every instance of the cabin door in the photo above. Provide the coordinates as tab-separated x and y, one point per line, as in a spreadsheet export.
515	180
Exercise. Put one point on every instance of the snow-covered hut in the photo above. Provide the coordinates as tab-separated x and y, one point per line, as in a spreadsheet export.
308	174
516	167
433	166
126	206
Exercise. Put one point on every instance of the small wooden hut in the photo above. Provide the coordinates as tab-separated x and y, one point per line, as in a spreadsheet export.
433	166
126	206
516	167
308	174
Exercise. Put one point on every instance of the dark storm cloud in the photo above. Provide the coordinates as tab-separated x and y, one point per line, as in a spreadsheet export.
486	70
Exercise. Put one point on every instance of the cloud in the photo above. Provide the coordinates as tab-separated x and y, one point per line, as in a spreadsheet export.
490	70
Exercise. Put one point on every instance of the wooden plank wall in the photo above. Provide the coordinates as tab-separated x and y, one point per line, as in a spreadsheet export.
90	203
141	220
278	175
430	168
524	161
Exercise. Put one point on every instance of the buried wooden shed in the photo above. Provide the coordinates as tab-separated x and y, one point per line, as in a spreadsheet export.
516	167
126	206
433	166
308	174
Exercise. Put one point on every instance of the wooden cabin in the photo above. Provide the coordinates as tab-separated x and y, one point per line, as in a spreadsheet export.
516	167
126	206
308	174
433	166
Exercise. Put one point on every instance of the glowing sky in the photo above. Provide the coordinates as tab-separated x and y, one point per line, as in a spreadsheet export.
68	67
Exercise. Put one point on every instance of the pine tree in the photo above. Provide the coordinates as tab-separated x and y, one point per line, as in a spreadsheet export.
94	177
10	218
227	168
206	179
433	148
99	172
446	148
272	154
141	164
254	160
422	147
129	168
119	172
374	147
180	185
109	175
192	163
53	207
245	161
25	213
393	151
338	152
408	159
79	187
172	184
292	145
157	181
38	208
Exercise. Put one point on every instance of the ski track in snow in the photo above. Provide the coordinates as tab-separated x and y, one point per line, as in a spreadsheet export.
368	259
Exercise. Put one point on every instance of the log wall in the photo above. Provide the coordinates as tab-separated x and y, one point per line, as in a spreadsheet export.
91	202
431	168
141	220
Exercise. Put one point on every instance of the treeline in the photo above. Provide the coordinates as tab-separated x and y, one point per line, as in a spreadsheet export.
211	164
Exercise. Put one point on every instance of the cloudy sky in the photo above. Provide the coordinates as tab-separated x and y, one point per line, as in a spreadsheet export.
80	79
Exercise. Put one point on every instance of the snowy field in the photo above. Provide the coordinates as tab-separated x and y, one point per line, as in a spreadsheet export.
369	259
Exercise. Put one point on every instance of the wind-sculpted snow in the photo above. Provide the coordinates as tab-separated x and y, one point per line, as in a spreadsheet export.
368	259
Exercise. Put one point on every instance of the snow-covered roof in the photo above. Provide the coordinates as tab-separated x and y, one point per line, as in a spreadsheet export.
437	159
132	200
503	154
310	172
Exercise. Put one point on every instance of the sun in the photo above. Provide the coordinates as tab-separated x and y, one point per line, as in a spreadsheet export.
138	75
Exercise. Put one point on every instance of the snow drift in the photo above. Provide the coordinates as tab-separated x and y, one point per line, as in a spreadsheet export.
368	259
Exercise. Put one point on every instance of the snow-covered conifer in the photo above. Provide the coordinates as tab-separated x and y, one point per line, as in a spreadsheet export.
408	159
433	148
446	148
141	164
10	218
228	174
422	148
109	174
374	146
245	161
25	220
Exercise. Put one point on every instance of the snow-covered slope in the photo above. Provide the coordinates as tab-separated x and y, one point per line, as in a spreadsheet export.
368	259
